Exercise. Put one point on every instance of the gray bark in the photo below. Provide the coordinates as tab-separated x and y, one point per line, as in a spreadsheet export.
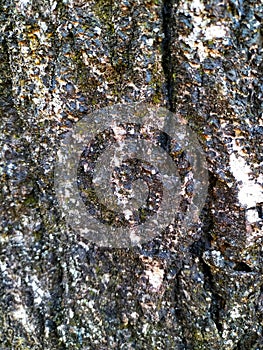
61	60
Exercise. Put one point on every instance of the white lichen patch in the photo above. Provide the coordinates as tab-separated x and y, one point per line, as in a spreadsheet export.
38	292
250	189
155	277
215	31
20	315
202	30
197	7
234	314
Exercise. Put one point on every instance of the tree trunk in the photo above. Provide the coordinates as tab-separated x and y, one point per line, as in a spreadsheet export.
64	59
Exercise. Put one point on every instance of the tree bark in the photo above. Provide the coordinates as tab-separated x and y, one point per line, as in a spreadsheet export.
64	59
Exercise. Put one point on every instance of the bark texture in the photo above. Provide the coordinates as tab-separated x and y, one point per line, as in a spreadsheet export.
60	60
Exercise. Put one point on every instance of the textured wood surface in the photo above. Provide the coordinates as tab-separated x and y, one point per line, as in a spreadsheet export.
60	60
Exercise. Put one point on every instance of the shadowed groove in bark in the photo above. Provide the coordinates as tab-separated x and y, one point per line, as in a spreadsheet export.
217	301
198	248
204	243
167	63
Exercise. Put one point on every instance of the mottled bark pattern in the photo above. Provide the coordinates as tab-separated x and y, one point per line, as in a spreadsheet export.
62	59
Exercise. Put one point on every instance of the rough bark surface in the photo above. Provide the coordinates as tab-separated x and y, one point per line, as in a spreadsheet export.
60	60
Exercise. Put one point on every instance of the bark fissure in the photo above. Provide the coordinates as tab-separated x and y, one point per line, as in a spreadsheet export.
168	18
